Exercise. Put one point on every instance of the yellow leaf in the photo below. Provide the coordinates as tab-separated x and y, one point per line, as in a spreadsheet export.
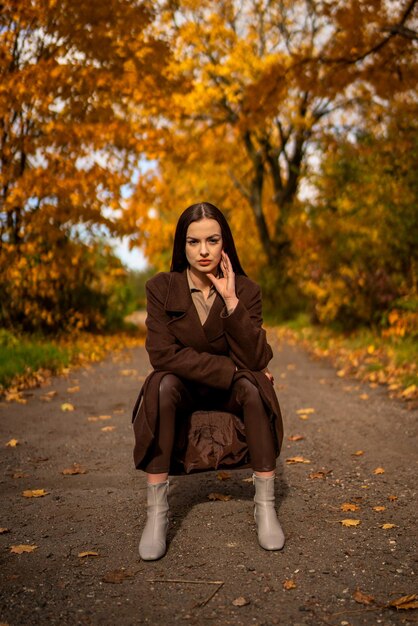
348	506
350	522
108	429
297	459
314	475
219	496
370	349
93	418
105	417
362	598
405	602
73	389
388	526
289	583
128	372
296	437
409	391
13	443
240	601
364	396
75	469
34	493
358	453
82	555
304	417
379	508
305	411
223	475
66	406
379	470
19	549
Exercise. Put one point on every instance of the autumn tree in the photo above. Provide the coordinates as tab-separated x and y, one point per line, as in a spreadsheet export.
71	74
355	246
264	81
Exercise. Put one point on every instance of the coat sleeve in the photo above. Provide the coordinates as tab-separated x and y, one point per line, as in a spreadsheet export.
166	354
244	332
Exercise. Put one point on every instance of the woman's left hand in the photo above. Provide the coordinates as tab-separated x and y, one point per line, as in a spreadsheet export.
226	285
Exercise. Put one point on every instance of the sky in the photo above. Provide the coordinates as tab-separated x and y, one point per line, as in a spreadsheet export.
133	259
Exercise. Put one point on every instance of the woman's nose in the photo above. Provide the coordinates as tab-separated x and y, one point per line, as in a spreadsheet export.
203	250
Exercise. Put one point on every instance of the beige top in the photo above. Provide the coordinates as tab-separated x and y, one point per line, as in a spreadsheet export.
203	305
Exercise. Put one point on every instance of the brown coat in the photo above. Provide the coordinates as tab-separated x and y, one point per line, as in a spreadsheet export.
177	343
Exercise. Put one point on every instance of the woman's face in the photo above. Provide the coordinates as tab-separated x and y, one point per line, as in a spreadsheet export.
204	245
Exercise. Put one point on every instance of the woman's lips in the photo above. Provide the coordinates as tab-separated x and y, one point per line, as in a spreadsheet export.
205	262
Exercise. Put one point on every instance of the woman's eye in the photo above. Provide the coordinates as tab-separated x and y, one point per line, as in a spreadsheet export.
192	242
213	240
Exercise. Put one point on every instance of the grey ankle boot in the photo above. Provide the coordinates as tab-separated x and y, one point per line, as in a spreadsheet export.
153	540
270	534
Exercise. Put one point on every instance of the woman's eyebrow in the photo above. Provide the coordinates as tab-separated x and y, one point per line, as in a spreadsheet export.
209	237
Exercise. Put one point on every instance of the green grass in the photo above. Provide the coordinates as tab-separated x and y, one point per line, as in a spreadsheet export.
22	355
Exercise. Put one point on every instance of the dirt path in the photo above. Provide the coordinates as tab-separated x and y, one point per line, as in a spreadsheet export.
103	510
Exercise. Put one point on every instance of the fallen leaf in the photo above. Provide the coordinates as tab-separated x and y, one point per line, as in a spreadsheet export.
19	549
116	576
47	397
319	474
364	396
405	602
296	437
34	493
291	366
297	459
75	469
82	555
350	522
105	417
4	531
219	496
223	475
20	474
362	598
379	470
73	389
305	411
66	406
92	418
348	506
12	443
392	498
388	526
289	584
358	453
409	391
341	373
240	601
15	396
304	417
248	480
379	508
108	429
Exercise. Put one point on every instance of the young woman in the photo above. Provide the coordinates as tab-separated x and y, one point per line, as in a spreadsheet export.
210	401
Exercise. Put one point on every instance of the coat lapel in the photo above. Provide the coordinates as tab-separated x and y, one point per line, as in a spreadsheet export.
184	322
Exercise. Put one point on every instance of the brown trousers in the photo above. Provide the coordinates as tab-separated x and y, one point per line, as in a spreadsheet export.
243	399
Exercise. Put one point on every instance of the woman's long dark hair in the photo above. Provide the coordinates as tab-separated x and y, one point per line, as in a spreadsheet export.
194	213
